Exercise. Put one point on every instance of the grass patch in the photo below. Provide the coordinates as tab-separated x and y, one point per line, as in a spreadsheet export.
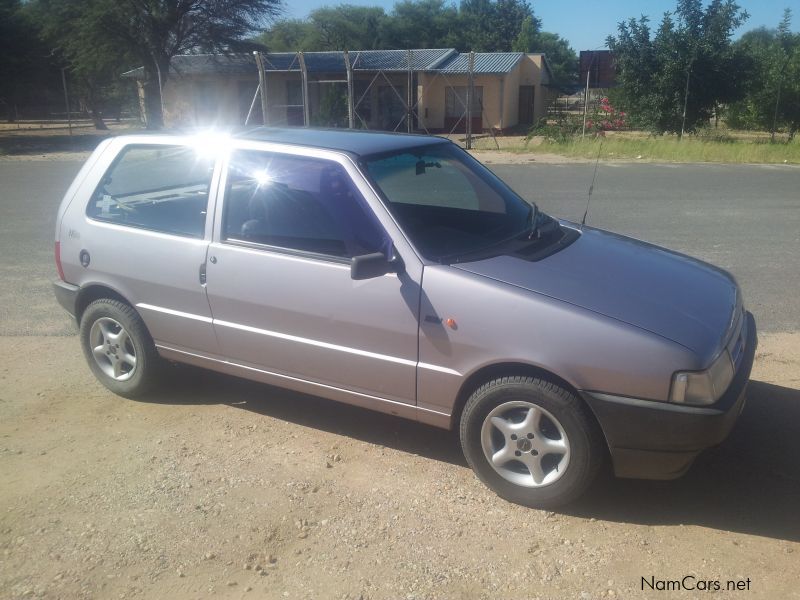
671	149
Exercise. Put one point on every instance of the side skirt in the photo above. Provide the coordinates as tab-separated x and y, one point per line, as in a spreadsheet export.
407	411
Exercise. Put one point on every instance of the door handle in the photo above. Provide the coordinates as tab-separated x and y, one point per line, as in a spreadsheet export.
203	274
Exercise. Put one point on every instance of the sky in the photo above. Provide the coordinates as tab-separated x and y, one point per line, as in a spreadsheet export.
587	23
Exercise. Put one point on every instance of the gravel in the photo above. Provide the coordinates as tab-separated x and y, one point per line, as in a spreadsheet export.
224	488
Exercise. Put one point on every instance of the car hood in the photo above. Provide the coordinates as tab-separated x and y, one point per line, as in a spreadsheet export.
675	296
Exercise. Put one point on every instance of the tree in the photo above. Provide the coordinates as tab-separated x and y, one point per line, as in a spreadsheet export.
289	35
346	26
562	58
94	64
527	37
421	24
151	32
479	25
772	96
679	78
26	63
493	26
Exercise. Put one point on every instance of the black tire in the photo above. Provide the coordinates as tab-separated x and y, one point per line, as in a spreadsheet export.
567	416
133	381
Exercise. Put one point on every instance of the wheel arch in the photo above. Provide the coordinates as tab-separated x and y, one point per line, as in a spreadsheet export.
96	291
510	369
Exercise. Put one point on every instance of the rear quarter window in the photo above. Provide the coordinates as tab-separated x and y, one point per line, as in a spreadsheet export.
156	187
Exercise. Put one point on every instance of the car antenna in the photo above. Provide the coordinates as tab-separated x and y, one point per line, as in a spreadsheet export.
591	187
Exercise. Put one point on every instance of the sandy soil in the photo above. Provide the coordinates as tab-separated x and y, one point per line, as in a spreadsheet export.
216	487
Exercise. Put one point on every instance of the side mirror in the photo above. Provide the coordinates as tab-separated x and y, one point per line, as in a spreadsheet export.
368	266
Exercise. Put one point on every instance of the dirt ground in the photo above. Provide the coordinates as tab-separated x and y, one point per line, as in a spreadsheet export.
217	487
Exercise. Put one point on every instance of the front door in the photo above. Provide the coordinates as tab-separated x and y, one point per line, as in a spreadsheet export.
526	104
279	280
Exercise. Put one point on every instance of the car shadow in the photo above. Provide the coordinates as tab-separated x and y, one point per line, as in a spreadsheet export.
749	484
189	385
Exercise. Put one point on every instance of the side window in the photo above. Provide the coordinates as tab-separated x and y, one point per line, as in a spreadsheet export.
162	188
298	203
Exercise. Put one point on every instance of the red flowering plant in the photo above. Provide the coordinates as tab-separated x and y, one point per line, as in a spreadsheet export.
563	126
606	117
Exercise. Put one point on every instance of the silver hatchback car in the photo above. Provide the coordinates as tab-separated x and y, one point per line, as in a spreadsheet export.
396	273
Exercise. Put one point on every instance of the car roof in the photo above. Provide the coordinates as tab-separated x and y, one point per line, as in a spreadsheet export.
359	143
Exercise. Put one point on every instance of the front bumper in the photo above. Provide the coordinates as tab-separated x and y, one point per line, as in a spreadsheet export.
659	440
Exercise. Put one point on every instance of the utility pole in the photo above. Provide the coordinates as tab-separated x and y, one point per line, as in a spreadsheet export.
66	100
409	95
160	90
253	104
470	89
262	86
777	105
304	76
351	111
686	99
586	98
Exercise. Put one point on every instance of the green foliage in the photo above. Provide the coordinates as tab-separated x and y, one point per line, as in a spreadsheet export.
289	35
527	36
562	58
16	33
564	127
421	24
98	37
670	148
332	107
772	90
603	116
347	26
492	26
694	44
479	25
26	64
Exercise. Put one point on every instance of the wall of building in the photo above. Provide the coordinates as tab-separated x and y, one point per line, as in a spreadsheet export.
432	90
533	72
500	94
207	100
223	100
511	97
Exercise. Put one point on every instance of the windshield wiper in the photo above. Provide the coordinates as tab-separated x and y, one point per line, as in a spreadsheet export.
531	226
532	220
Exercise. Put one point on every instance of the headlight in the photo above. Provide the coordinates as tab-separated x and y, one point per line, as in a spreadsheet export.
703	387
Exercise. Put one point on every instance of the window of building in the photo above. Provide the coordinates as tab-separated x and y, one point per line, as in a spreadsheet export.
456	101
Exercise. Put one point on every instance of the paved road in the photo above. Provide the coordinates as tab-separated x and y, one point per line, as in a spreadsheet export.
743	218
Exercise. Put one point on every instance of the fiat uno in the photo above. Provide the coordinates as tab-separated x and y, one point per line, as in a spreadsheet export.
397	273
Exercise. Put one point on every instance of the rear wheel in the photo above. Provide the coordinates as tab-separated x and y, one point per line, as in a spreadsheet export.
531	441
118	348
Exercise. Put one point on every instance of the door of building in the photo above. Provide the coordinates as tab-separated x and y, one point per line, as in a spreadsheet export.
526	95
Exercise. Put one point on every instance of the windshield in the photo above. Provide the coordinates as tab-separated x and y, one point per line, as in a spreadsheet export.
447	202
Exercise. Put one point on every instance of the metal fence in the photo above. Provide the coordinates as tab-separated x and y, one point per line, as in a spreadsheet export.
386	99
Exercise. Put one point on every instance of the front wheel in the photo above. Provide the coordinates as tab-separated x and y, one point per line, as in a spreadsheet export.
531	441
118	348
